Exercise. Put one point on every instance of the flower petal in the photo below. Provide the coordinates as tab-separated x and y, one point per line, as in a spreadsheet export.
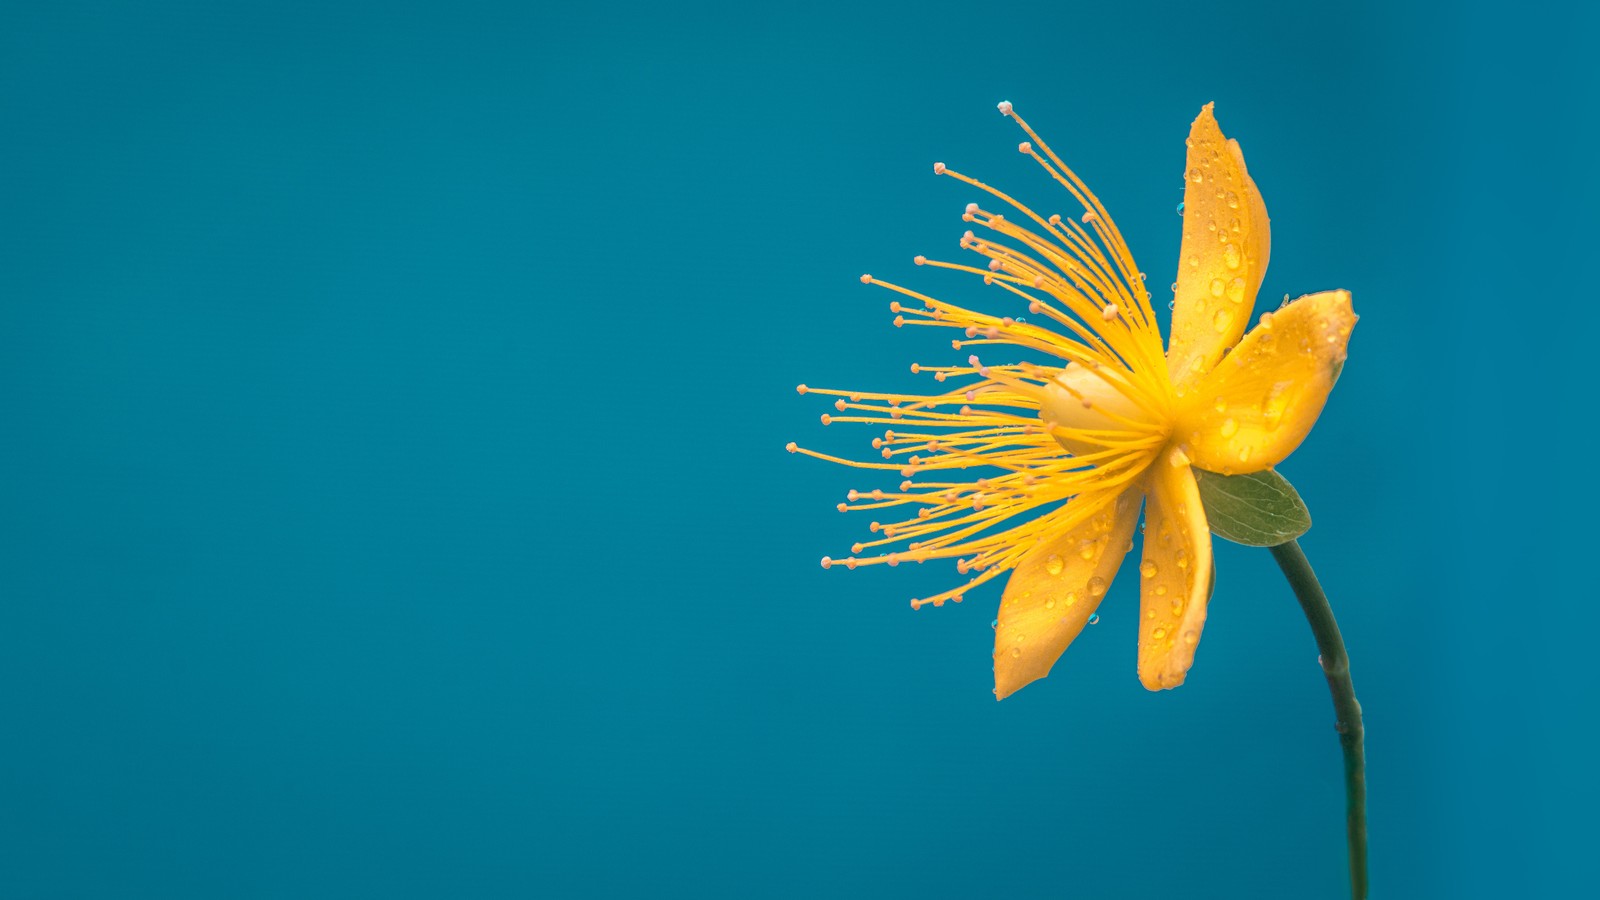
1054	590
1259	403
1226	242
1174	576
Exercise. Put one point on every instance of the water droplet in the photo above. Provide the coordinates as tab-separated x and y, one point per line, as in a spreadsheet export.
1229	428
1222	405
1244	454
1217	287
1050	603
1053	565
1016	652
1231	256
1094	618
1222	319
1087	550
1233	200
1072	598
1147	569
1161	590
1172	304
1266	321
1183	559
1195	176
1177	605
1236	290
1159	633
995	624
1191	637
1097	586
1180	209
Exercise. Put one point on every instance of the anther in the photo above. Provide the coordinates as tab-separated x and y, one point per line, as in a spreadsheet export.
920	260
866	279
994	265
1089	217
791	446
841	507
972	209
827	419
938	168
827	563
1024	147
1110	312
839	404
1004	106
800	389
1055	219
894	306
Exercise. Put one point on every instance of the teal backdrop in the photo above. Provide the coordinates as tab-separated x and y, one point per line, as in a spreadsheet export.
392	491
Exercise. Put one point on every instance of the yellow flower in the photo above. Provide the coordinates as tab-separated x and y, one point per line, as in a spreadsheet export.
1071	448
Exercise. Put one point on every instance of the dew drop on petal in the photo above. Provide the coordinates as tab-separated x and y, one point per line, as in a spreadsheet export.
1231	257
1229	428
1094	618
1097	586
1147	569
1053	565
1222	319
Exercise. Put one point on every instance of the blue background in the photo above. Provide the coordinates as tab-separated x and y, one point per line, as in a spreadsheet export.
392	403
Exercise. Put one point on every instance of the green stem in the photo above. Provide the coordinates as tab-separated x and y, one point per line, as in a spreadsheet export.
1347	712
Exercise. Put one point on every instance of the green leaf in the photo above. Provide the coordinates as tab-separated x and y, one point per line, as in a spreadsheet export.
1261	509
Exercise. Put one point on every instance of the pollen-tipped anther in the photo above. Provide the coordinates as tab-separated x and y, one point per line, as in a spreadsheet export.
866	279
938	168
1004	106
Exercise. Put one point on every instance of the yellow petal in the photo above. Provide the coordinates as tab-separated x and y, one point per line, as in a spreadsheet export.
1226	242
1260	402
1174	576
1054	590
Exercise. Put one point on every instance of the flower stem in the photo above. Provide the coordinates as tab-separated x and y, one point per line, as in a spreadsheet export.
1347	712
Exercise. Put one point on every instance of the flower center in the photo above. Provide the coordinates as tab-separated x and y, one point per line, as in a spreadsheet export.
1089	412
